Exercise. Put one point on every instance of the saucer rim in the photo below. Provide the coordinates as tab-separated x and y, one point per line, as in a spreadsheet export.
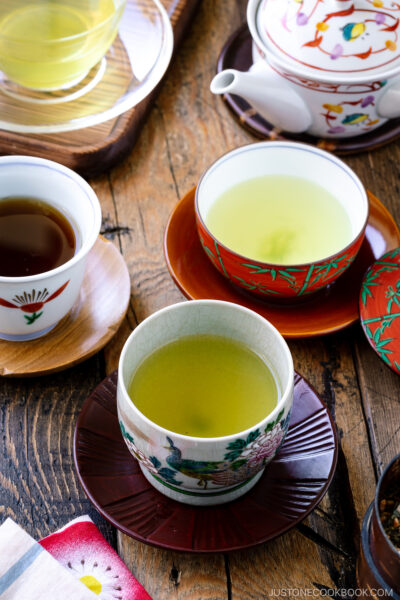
108	334
111	381
291	334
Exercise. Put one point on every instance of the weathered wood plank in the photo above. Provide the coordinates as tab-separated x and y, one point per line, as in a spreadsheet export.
39	487
174	576
263	572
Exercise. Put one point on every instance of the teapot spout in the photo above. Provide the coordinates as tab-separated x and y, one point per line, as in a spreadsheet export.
268	93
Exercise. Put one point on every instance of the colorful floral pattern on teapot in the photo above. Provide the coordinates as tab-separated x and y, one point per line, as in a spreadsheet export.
330	68
337	36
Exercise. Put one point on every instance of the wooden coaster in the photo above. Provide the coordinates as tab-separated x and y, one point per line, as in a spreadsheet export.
96	317
93	150
237	54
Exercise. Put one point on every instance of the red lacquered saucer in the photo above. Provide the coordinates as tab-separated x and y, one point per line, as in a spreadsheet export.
332	309
380	308
291	486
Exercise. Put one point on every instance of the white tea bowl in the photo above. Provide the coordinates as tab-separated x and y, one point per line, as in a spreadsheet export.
199	470
30	306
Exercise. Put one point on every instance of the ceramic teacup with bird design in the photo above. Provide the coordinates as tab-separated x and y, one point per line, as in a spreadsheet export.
191	468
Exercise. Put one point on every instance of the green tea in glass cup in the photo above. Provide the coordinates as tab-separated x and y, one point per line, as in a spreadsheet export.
50	45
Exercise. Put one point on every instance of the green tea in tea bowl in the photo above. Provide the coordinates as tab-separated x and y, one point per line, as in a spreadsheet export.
205	390
281	219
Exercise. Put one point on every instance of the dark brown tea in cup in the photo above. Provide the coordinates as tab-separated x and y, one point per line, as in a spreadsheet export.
34	237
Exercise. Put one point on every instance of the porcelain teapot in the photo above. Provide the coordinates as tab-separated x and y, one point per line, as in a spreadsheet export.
330	68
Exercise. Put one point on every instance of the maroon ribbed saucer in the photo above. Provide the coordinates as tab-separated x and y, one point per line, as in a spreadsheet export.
289	489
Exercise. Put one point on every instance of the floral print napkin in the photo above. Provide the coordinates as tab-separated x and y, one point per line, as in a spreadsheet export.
83	551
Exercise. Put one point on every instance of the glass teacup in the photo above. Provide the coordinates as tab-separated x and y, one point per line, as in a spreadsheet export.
47	45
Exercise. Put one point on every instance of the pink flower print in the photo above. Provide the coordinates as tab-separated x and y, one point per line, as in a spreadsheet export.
84	552
302	19
380	18
337	52
367	101
338	129
263	447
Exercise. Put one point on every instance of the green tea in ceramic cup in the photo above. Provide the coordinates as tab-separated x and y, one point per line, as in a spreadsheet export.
280	219
205	390
204	386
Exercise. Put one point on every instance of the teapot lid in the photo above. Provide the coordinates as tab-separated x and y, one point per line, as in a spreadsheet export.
336	37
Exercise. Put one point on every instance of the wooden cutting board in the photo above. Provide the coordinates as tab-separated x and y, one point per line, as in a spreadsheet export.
93	150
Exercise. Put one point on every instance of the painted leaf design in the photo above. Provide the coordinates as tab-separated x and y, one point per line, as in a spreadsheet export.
315	42
254	286
155	461
381	345
341	13
238	444
253	435
169	475
364	55
377	335
32	318
354	118
368	331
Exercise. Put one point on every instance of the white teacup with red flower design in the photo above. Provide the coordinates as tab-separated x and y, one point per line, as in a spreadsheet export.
30	306
205	470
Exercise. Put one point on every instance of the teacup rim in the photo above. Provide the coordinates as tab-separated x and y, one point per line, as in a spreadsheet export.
282	144
132	408
66	38
90	195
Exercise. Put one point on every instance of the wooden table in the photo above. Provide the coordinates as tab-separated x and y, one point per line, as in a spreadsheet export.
186	130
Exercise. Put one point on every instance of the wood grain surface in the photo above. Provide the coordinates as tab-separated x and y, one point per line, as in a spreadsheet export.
186	130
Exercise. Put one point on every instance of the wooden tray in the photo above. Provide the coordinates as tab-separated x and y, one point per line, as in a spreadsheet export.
93	150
